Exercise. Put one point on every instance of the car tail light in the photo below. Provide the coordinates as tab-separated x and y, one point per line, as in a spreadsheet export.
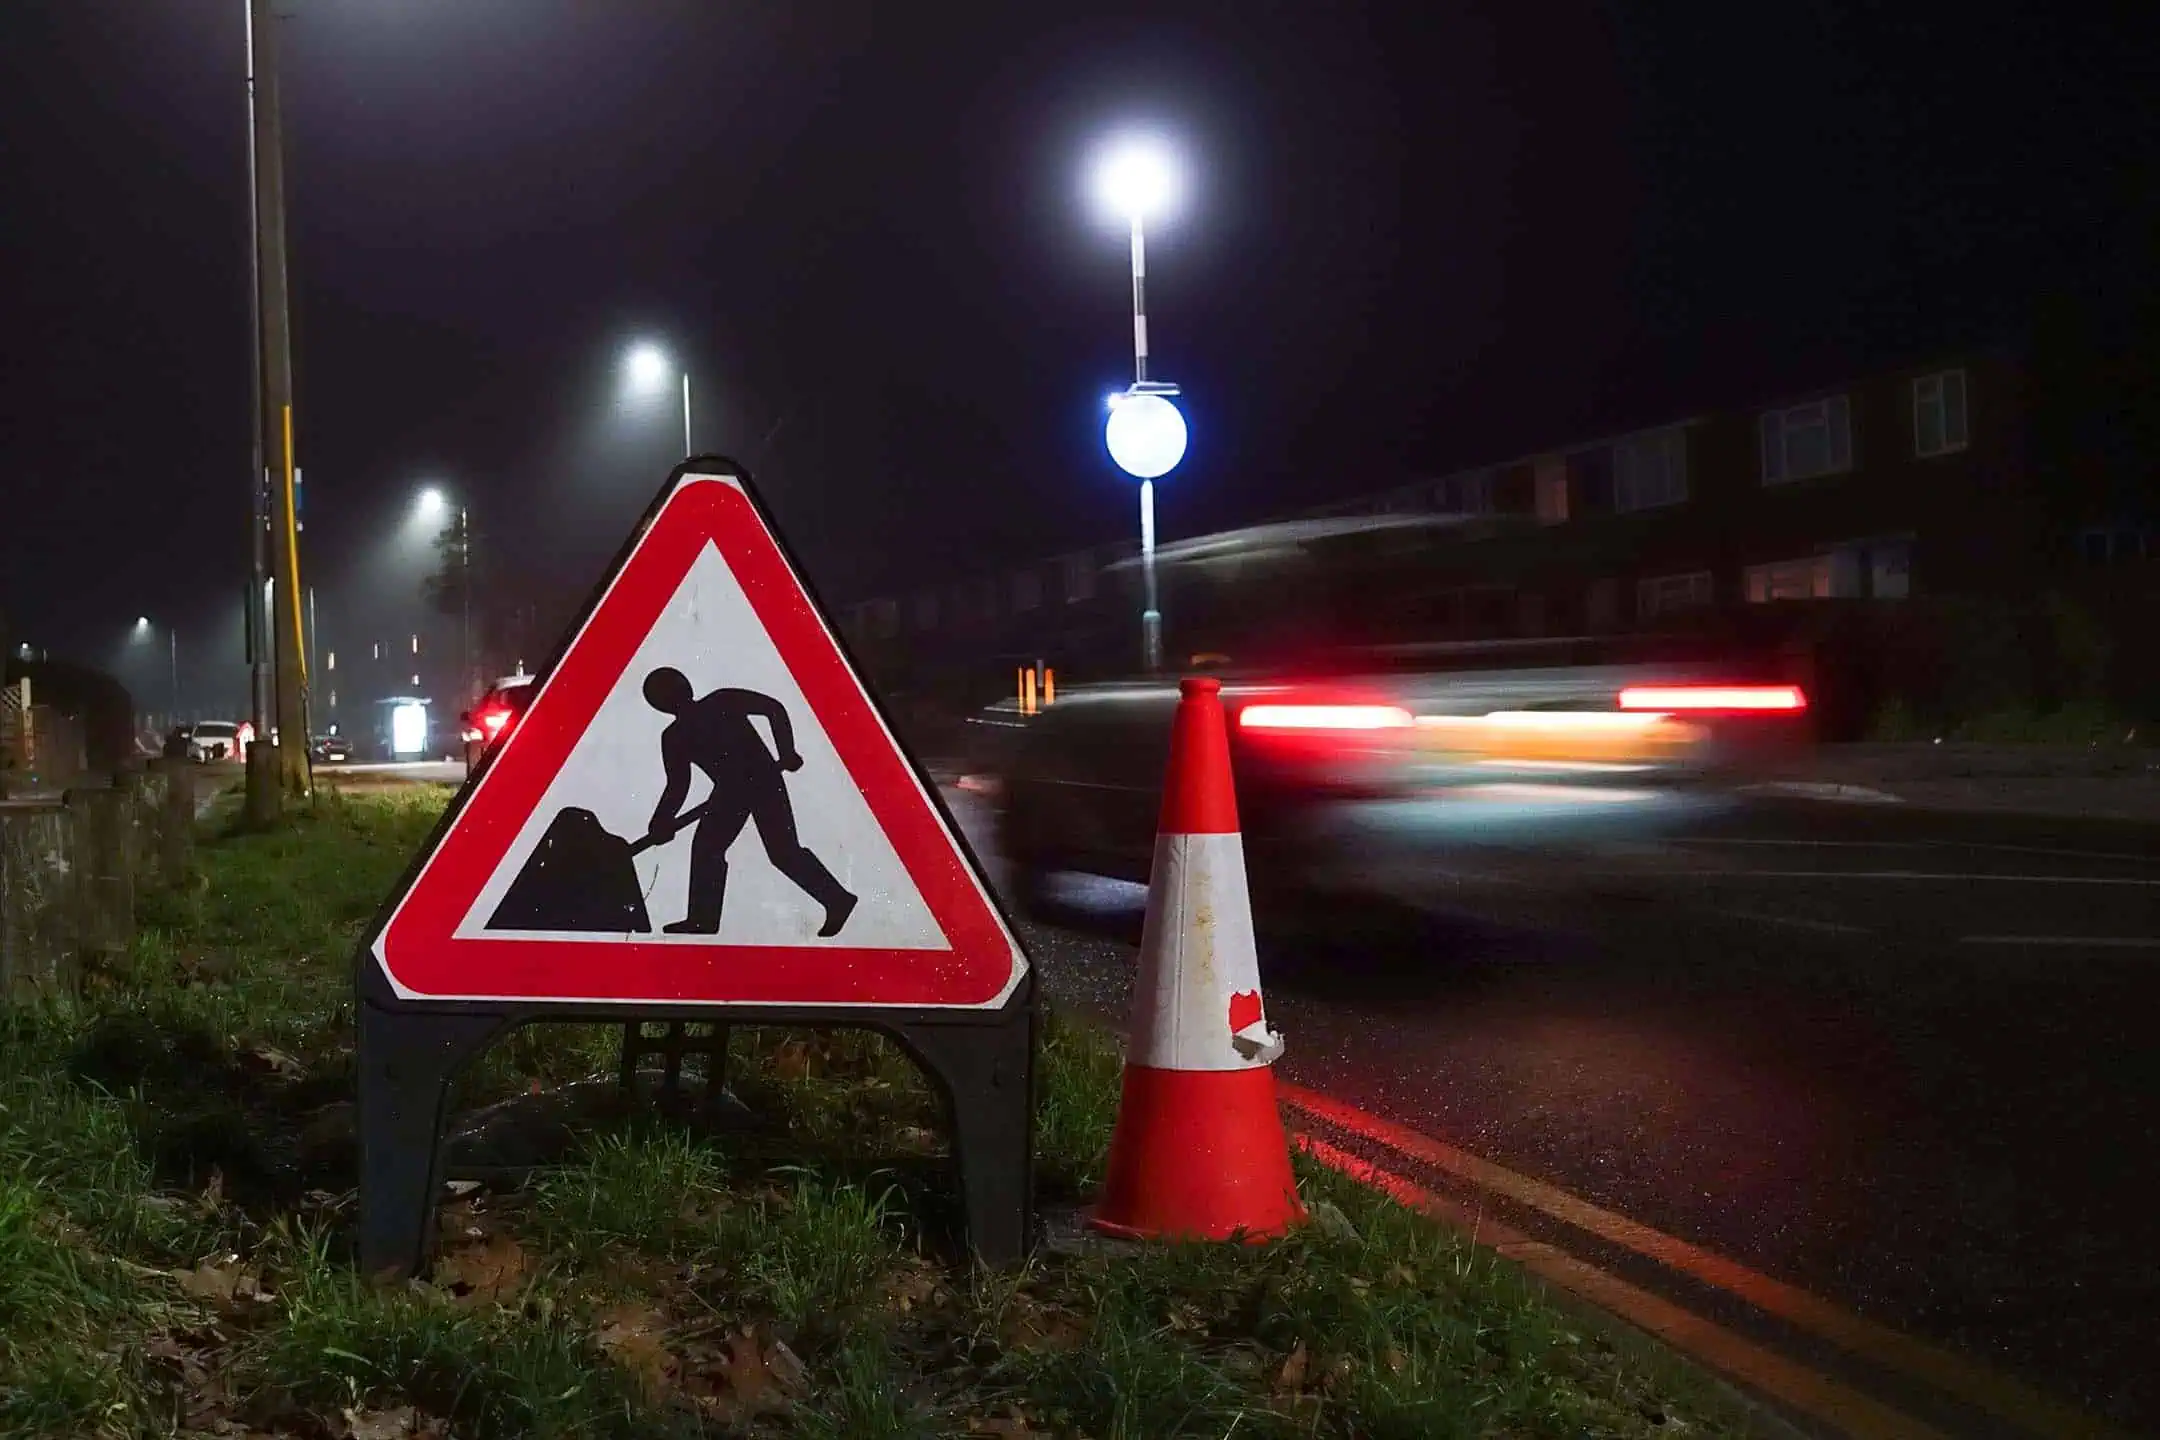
494	720
1323	717
1729	699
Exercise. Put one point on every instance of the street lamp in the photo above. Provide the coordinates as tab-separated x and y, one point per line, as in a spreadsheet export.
433	504
143	632
1145	433
647	368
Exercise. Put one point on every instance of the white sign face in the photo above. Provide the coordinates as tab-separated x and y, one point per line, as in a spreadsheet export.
730	758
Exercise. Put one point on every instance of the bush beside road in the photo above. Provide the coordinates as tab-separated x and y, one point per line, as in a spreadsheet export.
176	1163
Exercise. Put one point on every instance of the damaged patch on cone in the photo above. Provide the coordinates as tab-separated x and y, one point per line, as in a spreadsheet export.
1244	1009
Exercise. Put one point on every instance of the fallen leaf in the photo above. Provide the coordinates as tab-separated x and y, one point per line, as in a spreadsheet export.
222	1282
747	1379
634	1338
1339	1371
1185	1316
165	1347
1015	1424
482	1272
276	1061
380	1424
1043	1327
1330	1221
911	1288
1394	1359
793	1061
1402	1275
1292	1375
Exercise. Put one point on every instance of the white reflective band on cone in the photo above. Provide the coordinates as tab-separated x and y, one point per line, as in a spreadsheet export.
1199	966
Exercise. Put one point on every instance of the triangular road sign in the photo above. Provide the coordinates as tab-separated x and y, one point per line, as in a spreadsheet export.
701	806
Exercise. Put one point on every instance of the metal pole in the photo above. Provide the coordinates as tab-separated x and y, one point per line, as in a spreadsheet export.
277	391
1150	618
262	788
172	646
465	603
1139	302
687	449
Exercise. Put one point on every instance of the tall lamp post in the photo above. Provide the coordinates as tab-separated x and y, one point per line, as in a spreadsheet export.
1145	433
434	504
143	631
647	368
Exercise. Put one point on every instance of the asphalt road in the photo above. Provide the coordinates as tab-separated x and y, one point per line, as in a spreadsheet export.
1900	1059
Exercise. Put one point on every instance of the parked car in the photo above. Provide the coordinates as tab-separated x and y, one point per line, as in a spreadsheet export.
331	750
209	741
486	725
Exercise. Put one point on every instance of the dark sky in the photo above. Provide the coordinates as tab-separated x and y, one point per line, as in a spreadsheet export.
1418	236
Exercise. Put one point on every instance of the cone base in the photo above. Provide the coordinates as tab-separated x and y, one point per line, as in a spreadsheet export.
1198	1154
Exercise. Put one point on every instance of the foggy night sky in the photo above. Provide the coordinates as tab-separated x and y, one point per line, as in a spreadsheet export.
1416	237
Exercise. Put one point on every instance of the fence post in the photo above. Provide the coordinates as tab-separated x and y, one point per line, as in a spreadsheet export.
37	900
104	882
176	821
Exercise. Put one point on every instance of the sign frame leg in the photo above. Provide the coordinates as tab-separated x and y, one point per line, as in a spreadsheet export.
985	1071
407	1059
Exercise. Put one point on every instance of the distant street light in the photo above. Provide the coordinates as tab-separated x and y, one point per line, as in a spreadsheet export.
143	632
1145	434
433	504
647	368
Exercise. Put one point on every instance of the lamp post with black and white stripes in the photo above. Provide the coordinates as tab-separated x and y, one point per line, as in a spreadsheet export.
1146	435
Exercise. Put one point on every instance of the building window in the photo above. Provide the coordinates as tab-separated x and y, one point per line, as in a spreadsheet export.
1806	579
1938	413
1806	441
1552	491
1890	569
1026	590
1672	594
1078	577
1469	494
1650	470
1590	480
1601	605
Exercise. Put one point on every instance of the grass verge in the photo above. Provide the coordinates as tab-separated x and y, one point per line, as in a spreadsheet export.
176	1163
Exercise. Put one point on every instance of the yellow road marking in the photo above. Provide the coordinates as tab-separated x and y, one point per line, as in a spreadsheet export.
1812	1394
1891	1349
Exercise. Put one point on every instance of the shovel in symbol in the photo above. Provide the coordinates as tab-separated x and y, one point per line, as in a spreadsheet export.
581	877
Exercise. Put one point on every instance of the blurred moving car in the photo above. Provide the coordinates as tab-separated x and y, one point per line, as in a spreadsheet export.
497	714
331	750
209	741
1367	763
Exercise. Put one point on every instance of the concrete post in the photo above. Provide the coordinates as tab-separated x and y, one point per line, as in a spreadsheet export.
104	880
176	822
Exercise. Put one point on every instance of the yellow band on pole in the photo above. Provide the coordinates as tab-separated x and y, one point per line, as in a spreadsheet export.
292	553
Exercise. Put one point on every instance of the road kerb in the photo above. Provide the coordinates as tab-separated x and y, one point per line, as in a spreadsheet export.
1953	1375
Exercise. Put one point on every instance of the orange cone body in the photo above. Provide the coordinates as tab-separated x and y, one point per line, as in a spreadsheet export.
1199	1150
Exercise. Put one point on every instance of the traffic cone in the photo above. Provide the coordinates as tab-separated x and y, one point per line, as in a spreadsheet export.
1199	1150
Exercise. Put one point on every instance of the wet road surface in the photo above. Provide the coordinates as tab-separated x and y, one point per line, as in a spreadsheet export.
1896	1058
